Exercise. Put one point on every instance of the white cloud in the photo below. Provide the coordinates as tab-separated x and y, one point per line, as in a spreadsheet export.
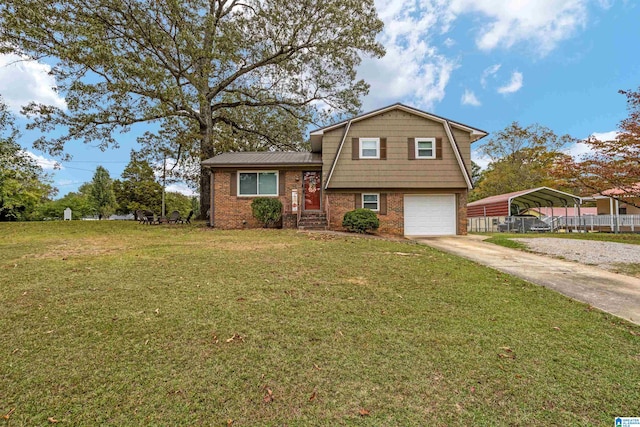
43	162
479	159
469	98
181	188
412	70
449	42
540	23
514	84
579	150
605	136
489	72
23	81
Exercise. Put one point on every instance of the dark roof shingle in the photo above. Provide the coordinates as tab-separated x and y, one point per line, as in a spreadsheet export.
264	158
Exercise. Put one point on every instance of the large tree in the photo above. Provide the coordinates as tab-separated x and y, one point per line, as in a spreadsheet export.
101	195
521	158
138	189
611	163
23	183
215	75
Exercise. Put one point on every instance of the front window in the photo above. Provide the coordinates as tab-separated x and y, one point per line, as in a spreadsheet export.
425	148
258	184
369	148
371	201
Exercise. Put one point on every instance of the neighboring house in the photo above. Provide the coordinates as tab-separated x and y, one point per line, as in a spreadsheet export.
411	167
608	205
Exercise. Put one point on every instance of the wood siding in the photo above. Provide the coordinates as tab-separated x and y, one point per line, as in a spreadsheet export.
397	171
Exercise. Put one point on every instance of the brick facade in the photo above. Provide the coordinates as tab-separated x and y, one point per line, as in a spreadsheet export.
231	211
337	204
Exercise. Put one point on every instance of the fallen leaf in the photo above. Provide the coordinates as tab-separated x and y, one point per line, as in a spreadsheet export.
472	389
458	407
52	420
316	367
507	349
229	422
269	396
556	328
157	311
8	414
313	396
363	412
235	337
506	356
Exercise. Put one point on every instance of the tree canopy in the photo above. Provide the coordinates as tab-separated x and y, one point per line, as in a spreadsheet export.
214	75
23	183
521	158
138	189
614	163
101	195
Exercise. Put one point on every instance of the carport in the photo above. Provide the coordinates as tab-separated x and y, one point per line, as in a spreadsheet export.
512	204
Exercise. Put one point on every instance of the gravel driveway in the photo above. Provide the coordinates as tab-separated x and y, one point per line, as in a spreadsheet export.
602	254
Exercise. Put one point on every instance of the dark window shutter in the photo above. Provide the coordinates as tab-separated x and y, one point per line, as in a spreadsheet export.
383	148
358	200
383	204
355	149
412	148
281	183
439	148
233	184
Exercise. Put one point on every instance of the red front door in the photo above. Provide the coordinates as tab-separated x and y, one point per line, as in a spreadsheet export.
311	190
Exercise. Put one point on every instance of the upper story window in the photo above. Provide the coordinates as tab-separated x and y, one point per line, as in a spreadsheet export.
369	148
425	148
258	183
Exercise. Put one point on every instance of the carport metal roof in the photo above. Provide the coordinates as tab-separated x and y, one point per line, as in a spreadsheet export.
504	204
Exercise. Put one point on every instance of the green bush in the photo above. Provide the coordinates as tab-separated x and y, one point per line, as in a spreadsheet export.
360	221
267	210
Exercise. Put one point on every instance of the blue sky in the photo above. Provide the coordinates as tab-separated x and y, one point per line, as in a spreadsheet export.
485	63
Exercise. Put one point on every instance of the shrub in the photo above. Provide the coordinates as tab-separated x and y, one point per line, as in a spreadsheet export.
267	210
360	220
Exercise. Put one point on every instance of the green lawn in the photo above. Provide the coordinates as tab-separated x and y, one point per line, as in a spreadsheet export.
125	324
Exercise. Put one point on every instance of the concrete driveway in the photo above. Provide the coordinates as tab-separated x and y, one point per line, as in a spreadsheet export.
614	293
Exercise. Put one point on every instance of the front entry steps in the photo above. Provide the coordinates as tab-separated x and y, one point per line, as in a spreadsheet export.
313	221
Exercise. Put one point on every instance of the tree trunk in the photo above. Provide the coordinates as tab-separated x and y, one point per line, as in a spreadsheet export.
207	150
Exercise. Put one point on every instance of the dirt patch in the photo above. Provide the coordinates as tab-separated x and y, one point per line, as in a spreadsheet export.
78	248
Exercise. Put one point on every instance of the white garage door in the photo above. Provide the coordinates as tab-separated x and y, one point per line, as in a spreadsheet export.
430	215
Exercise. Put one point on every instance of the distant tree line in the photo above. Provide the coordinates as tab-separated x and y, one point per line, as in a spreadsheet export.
26	191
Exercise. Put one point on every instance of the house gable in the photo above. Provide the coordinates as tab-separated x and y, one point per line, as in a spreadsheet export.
396	127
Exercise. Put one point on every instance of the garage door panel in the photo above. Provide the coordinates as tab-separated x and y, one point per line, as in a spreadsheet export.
430	215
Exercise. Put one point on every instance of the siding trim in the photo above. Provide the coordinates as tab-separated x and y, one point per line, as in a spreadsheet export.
456	151
335	160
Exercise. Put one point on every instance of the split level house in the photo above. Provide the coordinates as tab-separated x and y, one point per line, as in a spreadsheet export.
411	167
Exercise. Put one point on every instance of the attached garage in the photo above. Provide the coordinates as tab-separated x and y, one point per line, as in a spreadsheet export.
430	215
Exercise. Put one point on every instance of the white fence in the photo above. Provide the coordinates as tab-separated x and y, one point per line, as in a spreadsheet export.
608	223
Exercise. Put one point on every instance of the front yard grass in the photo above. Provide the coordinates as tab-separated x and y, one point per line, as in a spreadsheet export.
124	324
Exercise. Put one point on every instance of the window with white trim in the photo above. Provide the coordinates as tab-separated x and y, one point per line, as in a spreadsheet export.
371	201
258	183
425	148
369	148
